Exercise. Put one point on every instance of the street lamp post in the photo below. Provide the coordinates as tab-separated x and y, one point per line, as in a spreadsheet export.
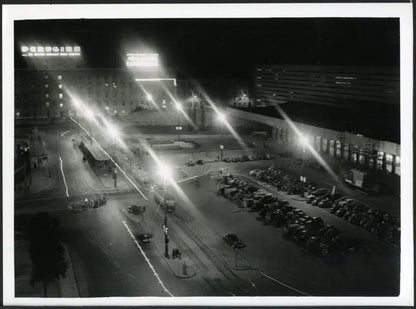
178	127
222	119
165	229
115	177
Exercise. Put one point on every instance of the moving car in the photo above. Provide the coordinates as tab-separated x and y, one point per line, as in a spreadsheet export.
144	238
136	209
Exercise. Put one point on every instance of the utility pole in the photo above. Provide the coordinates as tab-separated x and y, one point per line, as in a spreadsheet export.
115	178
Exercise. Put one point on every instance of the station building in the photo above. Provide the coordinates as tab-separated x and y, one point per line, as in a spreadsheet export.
348	113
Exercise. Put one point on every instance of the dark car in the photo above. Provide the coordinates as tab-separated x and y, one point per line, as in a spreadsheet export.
233	241
316	201
326	203
144	238
136	209
200	162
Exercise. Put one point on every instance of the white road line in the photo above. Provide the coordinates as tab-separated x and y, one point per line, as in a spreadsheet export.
65	133
288	286
147	260
63	176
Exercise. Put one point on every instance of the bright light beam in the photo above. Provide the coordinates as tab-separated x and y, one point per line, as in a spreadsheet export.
182	110
304	141
226	123
149	96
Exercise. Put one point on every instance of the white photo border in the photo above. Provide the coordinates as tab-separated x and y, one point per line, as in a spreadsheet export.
403	11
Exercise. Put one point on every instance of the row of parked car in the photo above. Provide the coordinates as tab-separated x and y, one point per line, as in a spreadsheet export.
245	158
310	233
381	223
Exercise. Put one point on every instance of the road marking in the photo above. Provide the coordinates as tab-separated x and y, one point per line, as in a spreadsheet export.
285	285
147	260
63	176
65	133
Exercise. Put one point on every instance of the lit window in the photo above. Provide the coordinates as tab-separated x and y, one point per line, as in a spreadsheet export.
59	77
61	95
61	105
47	104
60	86
46	86
46	76
47	95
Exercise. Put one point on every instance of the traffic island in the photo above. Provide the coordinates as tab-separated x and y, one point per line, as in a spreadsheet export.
181	267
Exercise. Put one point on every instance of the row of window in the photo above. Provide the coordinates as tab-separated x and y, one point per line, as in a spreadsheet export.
369	158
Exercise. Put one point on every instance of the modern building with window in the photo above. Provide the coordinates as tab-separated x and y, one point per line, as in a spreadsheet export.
337	86
348	113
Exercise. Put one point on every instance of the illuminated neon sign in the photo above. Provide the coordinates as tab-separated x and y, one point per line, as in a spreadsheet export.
42	51
143	60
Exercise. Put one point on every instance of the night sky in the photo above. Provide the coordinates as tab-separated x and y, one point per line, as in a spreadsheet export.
226	47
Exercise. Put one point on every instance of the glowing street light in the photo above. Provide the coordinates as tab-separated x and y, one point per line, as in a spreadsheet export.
149	97
113	131
221	117
178	106
303	139
164	171
89	113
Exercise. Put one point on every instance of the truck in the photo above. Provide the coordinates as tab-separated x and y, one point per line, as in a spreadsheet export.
363	181
164	199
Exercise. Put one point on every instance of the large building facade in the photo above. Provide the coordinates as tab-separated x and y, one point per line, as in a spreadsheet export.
51	92
326	85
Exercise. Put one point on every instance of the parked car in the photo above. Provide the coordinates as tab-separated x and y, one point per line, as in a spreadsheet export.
233	241
200	162
191	162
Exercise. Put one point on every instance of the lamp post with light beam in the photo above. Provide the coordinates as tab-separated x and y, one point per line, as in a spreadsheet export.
178	127
222	118
303	141
165	172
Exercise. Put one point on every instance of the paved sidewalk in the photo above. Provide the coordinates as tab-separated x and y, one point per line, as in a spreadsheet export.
68	284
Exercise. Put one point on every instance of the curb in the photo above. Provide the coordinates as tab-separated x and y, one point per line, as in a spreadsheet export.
68	285
191	271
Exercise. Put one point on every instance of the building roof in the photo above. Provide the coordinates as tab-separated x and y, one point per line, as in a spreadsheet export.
378	121
95	151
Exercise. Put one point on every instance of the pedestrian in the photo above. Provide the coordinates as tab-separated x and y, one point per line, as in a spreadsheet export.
180	254
184	268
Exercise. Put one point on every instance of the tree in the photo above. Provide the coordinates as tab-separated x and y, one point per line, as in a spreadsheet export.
46	251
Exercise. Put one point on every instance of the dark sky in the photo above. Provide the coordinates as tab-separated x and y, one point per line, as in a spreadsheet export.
229	47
